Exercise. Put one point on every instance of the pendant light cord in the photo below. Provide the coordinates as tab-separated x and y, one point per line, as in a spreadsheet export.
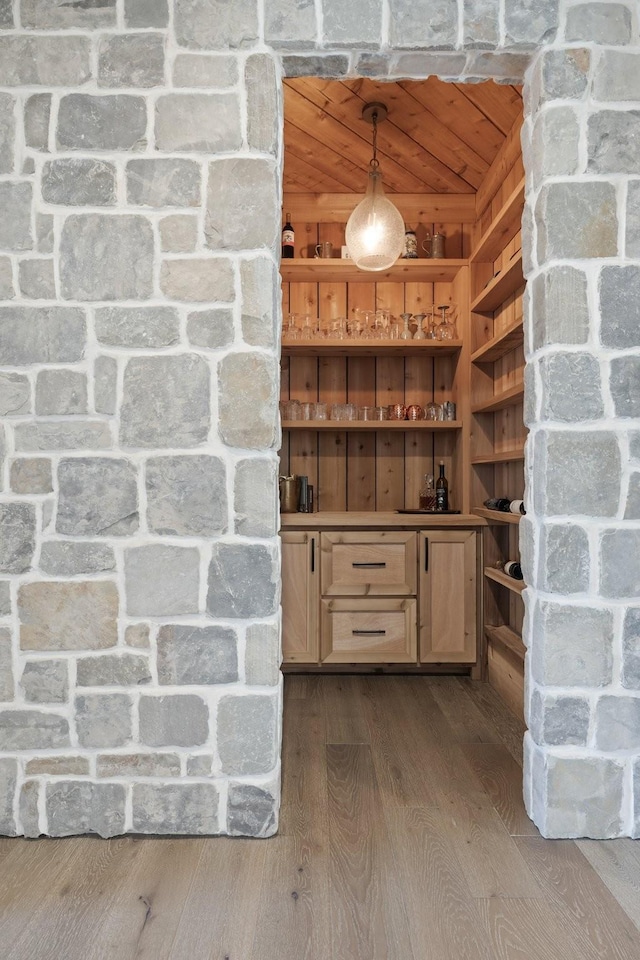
374	163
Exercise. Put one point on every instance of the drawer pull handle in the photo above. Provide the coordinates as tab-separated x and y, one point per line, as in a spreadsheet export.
368	633
370	566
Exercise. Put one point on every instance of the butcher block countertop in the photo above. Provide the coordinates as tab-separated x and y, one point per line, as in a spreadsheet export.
362	520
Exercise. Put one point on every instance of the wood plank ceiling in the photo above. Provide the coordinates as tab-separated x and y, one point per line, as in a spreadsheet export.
438	138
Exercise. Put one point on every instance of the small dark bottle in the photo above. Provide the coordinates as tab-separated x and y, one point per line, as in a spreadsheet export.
288	239
303	501
442	490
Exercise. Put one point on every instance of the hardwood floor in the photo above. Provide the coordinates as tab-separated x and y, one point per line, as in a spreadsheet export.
403	837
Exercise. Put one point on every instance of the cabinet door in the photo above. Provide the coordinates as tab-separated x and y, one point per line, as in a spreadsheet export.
300	597
448	596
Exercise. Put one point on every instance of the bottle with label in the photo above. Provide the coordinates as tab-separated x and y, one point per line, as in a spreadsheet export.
288	239
442	490
427	494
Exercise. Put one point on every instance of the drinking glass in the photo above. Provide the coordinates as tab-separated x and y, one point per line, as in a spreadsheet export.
380	413
406	333
433	411
419	319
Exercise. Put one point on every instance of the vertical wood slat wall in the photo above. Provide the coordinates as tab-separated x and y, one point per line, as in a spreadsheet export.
383	470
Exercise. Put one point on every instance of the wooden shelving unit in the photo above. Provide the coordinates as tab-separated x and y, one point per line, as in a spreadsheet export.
500	345
403	426
501	400
504	226
506	456
422	270
370	348
497	516
516	586
500	287
507	638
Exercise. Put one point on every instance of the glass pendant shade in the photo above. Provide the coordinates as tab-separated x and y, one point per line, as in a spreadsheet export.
375	229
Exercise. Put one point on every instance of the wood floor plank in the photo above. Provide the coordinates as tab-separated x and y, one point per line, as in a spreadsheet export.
527	930
444	923
511	728
592	915
220	918
397	741
296	875
501	778
467	722
617	863
82	897
367	913
344	710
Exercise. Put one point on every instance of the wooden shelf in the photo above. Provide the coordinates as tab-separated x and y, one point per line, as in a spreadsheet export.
516	586
507	638
497	516
370	348
506	456
500	287
344	271
503	228
501	400
499	345
360	425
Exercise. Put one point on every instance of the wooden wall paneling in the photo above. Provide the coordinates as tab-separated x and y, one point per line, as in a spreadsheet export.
481	329
390	389
361	447
453	241
303	148
501	104
483	483
508	155
496	599
306	238
284	395
418	447
303	444
461	393
334	232
332	446
303	298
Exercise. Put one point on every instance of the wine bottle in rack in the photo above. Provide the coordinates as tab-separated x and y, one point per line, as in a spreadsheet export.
288	239
504	505
512	568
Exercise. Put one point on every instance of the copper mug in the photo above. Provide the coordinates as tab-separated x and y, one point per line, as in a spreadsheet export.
289	494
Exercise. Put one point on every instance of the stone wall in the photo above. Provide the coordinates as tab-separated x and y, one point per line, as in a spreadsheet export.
582	540
140	151
139	591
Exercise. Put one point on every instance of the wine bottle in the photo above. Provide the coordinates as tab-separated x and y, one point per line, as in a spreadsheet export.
442	490
504	505
288	239
498	503
513	569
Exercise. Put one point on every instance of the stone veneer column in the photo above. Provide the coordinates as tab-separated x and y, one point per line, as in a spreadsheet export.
139	318
581	537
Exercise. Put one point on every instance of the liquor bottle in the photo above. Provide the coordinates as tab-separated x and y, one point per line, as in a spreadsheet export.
427	494
288	239
513	569
442	490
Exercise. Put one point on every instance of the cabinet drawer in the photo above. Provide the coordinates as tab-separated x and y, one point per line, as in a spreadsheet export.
368	631
369	564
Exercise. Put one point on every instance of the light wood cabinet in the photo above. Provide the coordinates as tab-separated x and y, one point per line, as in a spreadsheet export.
448	604
300	596
380	596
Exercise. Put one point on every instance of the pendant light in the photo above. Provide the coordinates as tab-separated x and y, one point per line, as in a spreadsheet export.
375	229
